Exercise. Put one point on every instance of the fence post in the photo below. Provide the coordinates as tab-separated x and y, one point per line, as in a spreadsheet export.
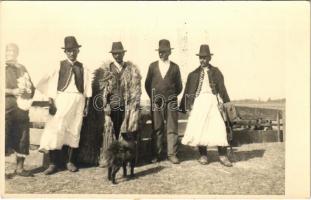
278	121
284	124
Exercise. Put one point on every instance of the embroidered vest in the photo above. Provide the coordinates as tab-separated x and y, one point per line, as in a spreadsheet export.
65	74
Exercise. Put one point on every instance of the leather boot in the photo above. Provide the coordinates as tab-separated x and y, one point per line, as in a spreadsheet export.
71	159
53	163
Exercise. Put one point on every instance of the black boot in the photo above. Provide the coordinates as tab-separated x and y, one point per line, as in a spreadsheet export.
71	160
203	155
53	163
223	157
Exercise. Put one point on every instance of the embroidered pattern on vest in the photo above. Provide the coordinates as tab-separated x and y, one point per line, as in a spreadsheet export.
68	80
200	82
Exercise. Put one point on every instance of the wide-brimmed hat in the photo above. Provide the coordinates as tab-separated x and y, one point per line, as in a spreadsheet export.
71	43
164	45
117	47
204	50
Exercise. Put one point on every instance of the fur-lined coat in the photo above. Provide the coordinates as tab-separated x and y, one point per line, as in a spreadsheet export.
97	131
130	83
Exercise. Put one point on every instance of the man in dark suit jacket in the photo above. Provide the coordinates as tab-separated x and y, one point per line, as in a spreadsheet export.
163	85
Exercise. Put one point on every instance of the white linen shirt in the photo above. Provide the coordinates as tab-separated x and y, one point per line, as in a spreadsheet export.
163	67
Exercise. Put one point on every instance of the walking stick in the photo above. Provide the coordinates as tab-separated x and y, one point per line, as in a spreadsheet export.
225	118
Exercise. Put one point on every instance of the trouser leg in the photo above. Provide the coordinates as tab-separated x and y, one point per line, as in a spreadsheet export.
222	151
172	129
72	154
117	116
54	155
19	163
71	160
158	131
8	133
202	150
21	127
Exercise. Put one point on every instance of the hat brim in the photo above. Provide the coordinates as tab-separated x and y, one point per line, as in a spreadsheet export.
164	49
204	54
71	47
121	51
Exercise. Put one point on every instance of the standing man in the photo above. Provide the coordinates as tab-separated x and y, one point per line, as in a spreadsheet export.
204	95
163	85
124	98
69	89
18	93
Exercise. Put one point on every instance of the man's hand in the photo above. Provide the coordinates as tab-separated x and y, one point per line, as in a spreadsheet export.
85	111
221	107
52	107
17	91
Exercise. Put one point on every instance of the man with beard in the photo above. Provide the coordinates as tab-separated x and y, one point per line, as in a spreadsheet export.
163	85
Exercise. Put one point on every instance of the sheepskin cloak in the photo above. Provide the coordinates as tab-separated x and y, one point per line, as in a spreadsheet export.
97	131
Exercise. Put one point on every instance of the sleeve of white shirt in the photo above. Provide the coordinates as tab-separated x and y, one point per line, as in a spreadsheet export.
88	77
48	83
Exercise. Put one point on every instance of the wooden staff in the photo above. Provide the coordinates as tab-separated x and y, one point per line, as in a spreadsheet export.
225	118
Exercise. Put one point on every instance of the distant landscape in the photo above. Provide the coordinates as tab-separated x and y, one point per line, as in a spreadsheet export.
270	103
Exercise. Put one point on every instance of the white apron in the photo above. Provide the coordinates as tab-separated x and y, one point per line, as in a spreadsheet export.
64	127
205	125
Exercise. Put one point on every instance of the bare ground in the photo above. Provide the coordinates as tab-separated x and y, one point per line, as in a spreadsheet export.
259	169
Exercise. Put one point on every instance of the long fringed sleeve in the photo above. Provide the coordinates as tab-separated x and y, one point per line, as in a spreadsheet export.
48	84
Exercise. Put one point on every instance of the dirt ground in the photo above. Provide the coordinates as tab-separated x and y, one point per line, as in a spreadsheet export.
259	169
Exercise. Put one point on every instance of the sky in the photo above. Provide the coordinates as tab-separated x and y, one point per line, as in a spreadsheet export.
253	42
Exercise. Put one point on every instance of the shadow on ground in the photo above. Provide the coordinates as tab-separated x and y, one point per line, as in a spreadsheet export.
188	153
143	173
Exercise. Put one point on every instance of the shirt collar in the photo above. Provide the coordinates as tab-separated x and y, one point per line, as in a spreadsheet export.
208	67
164	62
119	66
71	61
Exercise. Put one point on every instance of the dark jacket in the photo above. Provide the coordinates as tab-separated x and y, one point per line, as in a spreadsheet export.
12	73
215	76
169	87
65	74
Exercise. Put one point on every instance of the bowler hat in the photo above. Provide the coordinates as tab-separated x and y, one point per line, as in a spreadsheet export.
204	50
164	45
70	43
117	47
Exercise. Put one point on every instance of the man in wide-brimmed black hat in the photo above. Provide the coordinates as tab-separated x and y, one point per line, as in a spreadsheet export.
163	85
204	94
69	89
124	98
124	93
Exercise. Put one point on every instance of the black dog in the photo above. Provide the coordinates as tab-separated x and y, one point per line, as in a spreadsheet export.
118	154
